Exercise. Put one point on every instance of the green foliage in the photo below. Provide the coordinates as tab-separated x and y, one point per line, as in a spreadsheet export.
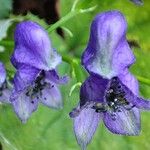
49	129
5	7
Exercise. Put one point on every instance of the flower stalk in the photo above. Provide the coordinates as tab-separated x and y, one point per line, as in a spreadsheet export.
74	12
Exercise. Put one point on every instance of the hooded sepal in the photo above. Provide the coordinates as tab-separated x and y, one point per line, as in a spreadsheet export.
108	52
33	47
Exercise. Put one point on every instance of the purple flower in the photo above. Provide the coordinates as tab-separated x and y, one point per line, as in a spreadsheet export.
108	52
5	86
36	79
137	2
111	92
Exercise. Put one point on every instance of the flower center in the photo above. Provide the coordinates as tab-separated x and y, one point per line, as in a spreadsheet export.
114	99
35	91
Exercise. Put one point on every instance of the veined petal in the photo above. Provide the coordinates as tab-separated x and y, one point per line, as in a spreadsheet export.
131	95
51	96
130	81
33	47
126	122
85	125
125	119
139	102
25	76
2	74
24	106
93	89
108	52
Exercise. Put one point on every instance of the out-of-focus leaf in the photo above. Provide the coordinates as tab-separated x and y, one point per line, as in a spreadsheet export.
4	25
6	143
2	49
5	7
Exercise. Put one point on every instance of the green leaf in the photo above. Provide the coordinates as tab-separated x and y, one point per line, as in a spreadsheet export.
5	7
4	25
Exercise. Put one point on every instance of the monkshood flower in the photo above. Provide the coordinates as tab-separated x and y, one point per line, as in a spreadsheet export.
36	80
111	92
5	86
137	2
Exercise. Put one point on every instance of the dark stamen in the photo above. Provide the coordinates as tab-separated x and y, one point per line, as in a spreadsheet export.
32	102
99	107
115	96
39	85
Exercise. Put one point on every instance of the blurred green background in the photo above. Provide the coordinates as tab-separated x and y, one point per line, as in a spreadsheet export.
49	129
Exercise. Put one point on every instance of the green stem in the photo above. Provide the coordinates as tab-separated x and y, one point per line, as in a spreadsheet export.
67	59
143	80
63	20
70	59
7	43
74	12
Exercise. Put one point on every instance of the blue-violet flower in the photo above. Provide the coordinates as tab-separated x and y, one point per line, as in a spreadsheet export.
111	92
36	79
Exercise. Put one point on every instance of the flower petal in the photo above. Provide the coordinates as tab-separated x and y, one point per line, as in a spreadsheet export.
53	76
33	47
108	52
127	122
130	81
139	102
25	76
24	106
130	87
5	97
2	74
137	2
51	97
85	125
93	89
